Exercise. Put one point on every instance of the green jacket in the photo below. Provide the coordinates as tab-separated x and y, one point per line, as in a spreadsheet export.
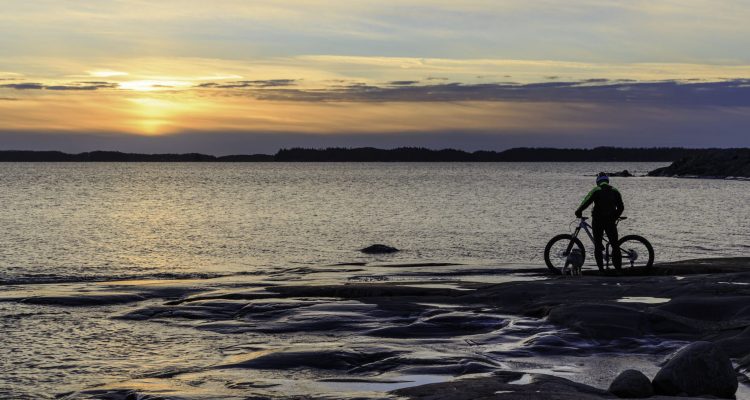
607	202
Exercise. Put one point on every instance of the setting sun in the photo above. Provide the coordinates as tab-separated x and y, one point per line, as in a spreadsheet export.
153	116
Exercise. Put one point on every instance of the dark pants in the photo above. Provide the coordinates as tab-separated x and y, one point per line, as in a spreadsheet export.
599	227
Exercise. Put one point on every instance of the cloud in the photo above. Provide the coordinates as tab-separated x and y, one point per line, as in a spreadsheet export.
71	86
248	84
690	92
466	116
590	30
731	93
23	86
403	83
84	86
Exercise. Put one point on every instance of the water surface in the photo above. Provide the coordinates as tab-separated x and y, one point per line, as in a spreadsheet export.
73	233
74	220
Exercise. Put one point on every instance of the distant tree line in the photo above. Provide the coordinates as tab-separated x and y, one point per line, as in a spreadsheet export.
370	154
116	156
417	154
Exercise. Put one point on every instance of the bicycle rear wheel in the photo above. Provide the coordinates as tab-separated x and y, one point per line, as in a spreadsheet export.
636	251
563	250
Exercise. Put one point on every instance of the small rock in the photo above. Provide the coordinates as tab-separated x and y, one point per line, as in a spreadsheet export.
701	368
379	249
631	384
623	174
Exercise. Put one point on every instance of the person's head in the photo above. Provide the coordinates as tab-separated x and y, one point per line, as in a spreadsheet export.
602	178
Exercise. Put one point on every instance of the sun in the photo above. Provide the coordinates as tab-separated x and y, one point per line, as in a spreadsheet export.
153	116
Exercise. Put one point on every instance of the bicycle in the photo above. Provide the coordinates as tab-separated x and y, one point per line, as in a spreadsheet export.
566	250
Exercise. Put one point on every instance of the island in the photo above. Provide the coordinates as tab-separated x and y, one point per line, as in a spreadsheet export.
711	163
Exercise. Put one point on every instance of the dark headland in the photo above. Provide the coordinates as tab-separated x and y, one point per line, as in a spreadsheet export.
710	163
370	154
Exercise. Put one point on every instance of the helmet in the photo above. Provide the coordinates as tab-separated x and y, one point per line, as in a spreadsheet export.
602	177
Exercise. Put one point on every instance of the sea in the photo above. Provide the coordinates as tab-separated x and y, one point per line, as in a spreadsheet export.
73	221
66	225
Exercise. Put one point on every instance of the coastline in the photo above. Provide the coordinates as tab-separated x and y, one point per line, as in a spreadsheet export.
397	328
370	154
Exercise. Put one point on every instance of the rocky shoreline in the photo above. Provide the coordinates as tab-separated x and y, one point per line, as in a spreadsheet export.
419	331
685	303
716	163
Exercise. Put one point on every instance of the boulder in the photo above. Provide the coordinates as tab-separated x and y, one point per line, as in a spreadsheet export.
700	368
379	249
631	384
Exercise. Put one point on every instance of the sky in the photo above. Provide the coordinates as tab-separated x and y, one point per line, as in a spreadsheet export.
245	76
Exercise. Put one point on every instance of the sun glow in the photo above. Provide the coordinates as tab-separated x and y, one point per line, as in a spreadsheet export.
152	116
106	73
153	85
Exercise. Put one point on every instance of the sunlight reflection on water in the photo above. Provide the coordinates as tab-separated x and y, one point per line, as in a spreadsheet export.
91	220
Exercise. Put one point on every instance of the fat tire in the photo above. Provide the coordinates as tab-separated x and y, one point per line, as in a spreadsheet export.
645	243
567	238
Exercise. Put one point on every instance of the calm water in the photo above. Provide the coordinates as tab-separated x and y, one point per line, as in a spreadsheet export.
71	221
281	224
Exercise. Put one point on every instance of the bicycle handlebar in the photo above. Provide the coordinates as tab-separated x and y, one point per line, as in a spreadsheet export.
618	218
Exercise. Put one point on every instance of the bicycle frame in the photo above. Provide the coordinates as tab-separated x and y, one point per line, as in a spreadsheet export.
559	254
587	228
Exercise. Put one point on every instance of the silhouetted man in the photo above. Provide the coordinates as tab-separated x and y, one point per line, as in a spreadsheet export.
608	207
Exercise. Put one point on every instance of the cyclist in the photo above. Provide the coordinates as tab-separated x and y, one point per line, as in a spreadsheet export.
608	207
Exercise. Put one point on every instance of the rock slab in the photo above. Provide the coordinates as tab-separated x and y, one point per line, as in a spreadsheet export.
631	384
700	368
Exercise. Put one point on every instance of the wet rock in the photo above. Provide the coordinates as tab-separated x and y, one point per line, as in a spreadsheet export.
631	384
701	266
444	325
114	394
199	310
85	299
429	363
362	291
710	308
462	367
505	385
339	359
744	363
606	321
379	249
326	317
700	368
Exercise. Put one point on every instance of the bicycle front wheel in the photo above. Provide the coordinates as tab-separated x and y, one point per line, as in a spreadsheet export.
636	251
561	250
